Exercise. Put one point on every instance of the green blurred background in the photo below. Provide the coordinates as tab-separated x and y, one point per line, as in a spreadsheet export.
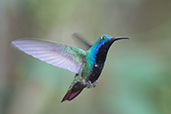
136	78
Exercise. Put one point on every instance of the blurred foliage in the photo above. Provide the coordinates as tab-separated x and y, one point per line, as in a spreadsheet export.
136	82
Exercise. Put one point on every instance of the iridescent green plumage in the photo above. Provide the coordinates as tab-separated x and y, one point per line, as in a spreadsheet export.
92	66
87	65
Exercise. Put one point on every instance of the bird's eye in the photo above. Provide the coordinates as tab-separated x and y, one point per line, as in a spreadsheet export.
103	38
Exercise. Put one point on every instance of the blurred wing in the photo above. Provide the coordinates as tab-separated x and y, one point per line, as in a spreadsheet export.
82	40
53	53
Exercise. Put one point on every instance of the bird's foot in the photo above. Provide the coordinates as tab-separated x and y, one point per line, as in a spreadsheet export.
90	85
95	83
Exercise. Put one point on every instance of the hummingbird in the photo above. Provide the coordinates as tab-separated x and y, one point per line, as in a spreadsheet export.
86	64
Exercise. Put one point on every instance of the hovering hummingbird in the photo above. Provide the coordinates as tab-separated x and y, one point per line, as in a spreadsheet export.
87	65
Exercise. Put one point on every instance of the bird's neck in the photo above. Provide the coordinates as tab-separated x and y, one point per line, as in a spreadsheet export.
98	53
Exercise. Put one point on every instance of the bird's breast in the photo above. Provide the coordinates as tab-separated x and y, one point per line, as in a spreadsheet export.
95	73
97	59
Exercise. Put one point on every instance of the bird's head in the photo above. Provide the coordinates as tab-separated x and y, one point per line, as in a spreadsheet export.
106	41
100	48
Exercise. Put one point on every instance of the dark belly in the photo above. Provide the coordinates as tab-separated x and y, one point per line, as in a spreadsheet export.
97	69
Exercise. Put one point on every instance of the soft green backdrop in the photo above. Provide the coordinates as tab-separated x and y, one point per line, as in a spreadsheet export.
137	75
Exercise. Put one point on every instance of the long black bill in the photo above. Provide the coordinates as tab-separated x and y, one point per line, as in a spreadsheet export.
119	38
108	44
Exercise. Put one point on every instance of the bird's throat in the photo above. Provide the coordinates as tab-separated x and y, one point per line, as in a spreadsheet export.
102	52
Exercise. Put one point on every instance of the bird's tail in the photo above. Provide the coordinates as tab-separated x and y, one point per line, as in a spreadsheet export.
73	92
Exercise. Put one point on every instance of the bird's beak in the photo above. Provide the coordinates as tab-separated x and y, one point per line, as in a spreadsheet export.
112	40
119	38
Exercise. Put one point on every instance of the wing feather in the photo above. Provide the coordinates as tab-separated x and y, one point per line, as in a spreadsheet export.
59	55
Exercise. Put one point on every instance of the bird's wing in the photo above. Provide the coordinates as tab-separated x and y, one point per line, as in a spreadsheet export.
82	40
59	55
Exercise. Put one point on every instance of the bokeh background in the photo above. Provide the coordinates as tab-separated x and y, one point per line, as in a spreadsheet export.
136	78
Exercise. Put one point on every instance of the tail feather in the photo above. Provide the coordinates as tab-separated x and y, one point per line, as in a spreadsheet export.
71	94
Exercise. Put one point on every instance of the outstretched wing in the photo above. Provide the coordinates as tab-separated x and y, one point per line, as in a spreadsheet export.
56	54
